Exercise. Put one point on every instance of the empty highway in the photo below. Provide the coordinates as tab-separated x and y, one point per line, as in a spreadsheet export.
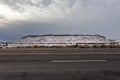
65	66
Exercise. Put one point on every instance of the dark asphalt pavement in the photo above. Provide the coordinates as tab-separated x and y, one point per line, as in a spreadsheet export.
60	67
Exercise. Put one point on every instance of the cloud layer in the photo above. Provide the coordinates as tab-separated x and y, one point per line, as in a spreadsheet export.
47	10
62	16
42	10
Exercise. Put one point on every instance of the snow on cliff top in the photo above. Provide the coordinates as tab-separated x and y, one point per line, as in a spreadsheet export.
63	38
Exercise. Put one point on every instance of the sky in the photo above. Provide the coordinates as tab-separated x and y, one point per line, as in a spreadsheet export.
33	17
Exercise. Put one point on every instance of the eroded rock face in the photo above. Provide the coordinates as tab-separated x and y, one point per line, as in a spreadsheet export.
65	38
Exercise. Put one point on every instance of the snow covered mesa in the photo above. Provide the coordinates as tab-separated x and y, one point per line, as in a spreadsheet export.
59	39
63	40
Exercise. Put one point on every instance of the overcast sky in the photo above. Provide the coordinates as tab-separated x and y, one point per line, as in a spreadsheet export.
24	17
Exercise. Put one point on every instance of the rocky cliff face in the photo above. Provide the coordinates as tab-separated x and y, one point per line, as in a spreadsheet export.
65	38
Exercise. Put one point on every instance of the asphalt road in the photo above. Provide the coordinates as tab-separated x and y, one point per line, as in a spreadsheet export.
60	67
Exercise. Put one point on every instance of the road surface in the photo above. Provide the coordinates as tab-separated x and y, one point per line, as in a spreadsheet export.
60	67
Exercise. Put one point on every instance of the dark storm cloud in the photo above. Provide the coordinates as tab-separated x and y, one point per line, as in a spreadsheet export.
32	28
17	31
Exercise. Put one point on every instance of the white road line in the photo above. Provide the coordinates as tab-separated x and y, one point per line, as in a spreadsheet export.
73	61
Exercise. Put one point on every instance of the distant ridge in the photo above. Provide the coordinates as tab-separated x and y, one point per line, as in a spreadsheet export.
63	40
33	36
